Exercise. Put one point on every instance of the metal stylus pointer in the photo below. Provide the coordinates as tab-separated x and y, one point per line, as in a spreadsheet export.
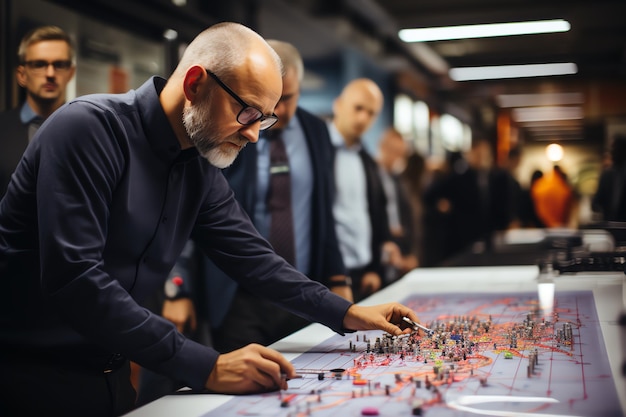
417	325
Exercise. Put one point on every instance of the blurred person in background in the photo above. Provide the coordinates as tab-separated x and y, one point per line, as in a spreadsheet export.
527	212
553	198
434	218
414	178
314	249
473	198
393	152
360	205
610	196
514	190
45	67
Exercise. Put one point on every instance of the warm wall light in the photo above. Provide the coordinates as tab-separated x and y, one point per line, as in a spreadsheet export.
554	152
483	31
512	71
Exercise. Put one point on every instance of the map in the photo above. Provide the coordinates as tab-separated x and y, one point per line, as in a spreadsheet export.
487	354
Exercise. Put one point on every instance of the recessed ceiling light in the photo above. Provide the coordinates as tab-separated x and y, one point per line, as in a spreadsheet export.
554	152
170	34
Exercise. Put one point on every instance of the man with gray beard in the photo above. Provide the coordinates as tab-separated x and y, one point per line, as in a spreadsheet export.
100	208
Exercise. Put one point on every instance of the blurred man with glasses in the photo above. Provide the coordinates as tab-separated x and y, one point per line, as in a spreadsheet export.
46	56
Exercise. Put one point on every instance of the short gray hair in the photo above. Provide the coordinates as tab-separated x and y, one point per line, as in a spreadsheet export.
44	33
221	48
289	55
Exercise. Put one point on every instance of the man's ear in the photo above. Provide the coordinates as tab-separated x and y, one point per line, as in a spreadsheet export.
20	76
192	84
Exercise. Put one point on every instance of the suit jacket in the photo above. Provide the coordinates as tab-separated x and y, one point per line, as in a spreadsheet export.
13	143
474	215
610	197
377	207
406	242
326	259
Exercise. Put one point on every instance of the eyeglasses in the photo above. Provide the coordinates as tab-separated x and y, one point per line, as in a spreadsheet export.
248	114
39	65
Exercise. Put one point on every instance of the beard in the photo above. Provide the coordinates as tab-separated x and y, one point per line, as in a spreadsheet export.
204	135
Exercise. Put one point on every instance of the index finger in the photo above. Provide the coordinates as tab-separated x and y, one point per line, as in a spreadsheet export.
269	366
399	311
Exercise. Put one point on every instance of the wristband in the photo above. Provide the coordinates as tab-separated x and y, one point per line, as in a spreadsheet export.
172	287
347	282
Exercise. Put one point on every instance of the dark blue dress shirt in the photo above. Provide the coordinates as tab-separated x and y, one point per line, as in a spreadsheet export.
100	208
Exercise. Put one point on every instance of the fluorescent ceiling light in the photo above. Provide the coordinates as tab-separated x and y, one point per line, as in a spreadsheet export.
542	114
540	99
512	71
483	31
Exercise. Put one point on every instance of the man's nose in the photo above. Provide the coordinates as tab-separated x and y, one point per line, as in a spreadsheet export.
50	70
251	132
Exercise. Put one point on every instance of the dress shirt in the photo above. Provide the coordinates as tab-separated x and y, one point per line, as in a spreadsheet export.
393	209
27	114
102	205
30	118
354	230
301	190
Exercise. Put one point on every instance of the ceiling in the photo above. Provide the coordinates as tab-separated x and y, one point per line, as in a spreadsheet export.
596	43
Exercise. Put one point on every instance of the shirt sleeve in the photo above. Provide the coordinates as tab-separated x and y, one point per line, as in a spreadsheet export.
185	271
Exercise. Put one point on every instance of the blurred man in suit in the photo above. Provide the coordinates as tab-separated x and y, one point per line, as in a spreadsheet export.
46	56
360	202
393	153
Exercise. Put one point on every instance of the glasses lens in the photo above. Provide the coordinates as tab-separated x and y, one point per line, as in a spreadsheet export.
249	115
41	65
268	122
62	65
37	65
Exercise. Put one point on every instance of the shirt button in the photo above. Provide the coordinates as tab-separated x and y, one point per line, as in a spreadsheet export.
164	219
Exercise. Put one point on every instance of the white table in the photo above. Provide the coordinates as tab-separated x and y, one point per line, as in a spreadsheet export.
609	291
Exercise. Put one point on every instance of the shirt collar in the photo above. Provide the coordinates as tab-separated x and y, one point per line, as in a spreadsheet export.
337	139
158	130
27	114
